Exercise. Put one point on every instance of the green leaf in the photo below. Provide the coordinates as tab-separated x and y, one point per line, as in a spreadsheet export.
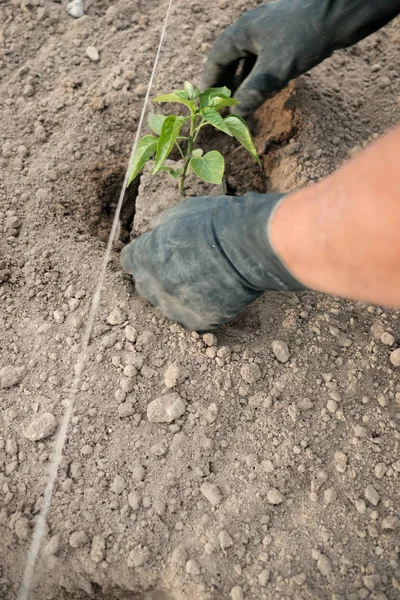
218	102
211	116
177	96
168	136
238	128
197	153
208	95
171	171
156	122
145	149
191	92
209	167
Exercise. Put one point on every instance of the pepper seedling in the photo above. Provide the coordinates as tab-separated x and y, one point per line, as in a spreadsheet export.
181	132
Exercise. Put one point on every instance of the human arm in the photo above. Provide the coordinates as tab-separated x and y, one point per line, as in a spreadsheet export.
211	257
283	39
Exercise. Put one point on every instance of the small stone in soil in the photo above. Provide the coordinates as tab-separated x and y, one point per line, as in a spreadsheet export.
10	375
237	593
76	9
166	409
192	567
281	351
41	427
371	495
118	485
387	339
93	53
212	493
274	496
395	357
250	372
131	333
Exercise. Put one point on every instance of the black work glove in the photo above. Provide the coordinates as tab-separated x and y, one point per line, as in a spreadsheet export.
282	40
208	258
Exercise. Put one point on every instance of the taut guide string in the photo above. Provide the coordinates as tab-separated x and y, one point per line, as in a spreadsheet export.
40	525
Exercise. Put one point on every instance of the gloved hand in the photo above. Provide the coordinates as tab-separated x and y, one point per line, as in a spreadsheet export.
208	258
282	40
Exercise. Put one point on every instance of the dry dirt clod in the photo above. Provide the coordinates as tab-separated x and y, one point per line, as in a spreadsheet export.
166	409
237	593
41	427
212	493
395	357
390	522
274	496
371	495
98	549
387	339
210	339
118	485
138	557
281	351
192	567
225	540
173	375
116	316
250	372
10	376
131	333
78	539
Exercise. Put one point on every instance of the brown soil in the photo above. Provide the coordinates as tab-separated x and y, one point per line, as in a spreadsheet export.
129	519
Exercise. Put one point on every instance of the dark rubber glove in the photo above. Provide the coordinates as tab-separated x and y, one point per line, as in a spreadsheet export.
282	40
208	258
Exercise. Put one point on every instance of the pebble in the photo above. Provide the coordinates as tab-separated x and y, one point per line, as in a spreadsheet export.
41	427
118	485
395	357
76	9
133	500
125	410
98	549
281	351
131	333
211	493
192	567
250	372
387	339
340	462
237	593
78	539
274	496
93	53
116	317
118	83
371	495
380	470
210	339
173	375
390	522
324	565
10	375
138	472
263	577
166	409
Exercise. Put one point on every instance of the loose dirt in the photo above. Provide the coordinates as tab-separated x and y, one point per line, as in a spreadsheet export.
267	466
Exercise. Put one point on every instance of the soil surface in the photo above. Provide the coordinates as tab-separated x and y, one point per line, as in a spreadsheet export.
279	476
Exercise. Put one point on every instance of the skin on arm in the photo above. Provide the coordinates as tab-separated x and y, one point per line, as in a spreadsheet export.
342	235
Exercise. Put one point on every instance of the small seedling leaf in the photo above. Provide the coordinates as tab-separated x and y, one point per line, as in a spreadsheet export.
168	136
219	102
178	96
156	122
206	97
145	149
171	171
197	153
215	119
238	128
191	92
209	167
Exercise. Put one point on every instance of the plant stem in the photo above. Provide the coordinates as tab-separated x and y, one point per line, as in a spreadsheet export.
188	157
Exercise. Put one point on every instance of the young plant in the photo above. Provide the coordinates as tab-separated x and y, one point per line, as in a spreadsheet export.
181	132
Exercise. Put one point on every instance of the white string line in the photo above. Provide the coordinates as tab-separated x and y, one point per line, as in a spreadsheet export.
40	525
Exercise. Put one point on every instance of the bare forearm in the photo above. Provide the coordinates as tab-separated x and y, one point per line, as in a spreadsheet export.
342	235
